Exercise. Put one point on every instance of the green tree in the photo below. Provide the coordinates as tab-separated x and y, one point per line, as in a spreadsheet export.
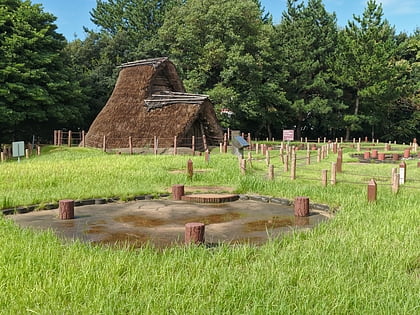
38	91
367	68
221	48
306	42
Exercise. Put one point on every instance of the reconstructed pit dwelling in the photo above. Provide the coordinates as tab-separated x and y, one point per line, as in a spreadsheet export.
149	100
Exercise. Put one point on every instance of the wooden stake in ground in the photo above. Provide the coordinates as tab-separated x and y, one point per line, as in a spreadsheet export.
267	157
395	181
190	168
242	165
371	194
271	172
293	167
66	209
249	160
301	206
333	173
324	176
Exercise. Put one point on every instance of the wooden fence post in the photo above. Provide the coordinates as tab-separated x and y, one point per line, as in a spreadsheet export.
205	143
372	190
324	177
242	163
308	157
69	138
293	167
271	172
333	173
190	168
267	157
318	158
83	139
395	180
2	158
286	163
38	150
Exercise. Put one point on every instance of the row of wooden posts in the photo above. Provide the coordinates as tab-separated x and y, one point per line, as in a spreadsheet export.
70	137
7	153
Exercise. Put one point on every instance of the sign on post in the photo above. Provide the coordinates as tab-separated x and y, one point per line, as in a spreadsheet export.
288	135
18	149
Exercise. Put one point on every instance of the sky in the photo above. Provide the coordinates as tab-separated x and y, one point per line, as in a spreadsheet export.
73	15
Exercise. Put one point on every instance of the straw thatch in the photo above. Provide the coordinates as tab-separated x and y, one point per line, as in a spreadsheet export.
149	100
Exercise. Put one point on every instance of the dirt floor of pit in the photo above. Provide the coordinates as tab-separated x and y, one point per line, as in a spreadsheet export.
162	222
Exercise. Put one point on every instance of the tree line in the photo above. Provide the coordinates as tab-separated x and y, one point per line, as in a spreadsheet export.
304	73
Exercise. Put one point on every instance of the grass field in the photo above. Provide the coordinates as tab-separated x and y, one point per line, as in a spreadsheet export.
364	261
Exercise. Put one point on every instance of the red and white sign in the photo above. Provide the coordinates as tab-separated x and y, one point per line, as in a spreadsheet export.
288	135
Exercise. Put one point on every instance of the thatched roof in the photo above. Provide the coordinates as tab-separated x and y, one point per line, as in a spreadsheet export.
149	100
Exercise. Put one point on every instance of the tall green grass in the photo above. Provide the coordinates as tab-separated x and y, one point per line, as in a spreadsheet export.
364	261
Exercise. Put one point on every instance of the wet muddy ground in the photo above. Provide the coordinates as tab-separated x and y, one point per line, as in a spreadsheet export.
161	222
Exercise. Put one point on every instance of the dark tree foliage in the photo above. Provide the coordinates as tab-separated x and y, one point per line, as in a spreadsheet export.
38	91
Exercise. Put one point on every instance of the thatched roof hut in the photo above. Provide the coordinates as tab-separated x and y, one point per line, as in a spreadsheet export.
149	100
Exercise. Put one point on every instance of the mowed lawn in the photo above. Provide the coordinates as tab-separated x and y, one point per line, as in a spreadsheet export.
366	260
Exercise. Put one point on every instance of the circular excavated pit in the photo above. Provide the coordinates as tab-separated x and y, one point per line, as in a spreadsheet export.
162	222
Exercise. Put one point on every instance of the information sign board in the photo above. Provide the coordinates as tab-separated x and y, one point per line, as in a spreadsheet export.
288	135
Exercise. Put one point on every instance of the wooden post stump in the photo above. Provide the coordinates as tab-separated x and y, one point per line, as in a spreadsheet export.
333	173
395	157
371	194
366	155
177	192
374	154
381	156
190	168
406	153
66	209
301	206
271	172
194	233
324	177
